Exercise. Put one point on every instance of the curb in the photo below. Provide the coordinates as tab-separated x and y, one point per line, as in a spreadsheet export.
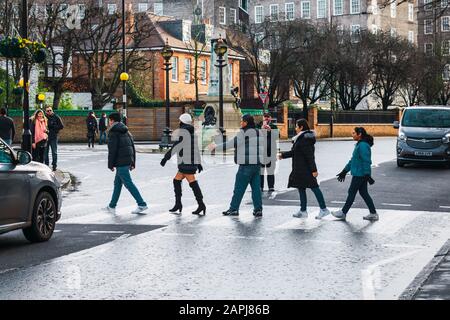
426	272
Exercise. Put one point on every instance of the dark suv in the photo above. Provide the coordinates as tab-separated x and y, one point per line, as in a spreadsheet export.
30	195
424	135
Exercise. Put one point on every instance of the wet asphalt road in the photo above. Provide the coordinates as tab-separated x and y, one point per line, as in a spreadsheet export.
215	257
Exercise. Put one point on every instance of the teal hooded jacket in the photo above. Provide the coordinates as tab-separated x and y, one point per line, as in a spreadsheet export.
361	161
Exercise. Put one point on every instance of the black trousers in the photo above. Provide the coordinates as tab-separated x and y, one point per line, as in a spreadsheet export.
270	177
358	184
39	152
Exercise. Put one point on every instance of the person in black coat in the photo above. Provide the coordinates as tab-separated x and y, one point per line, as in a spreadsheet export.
304	170
122	159
187	151
103	126
55	125
92	128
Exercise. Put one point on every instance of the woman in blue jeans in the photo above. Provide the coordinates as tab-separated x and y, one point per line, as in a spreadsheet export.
360	168
304	170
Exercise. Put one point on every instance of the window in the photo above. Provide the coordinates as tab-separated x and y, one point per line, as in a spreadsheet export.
290	8
187	70
374	29
175	69
393	32
274	9
355	6
142	7
243	4
428	26
158	8
306	9
410	11
81	11
5	154
374	7
203	68
428	4
222	15
429	49
233	16
446	73
259	13
112	8
321	9
445	24
394	9
338	7
445	47
63	10
444	3
411	36
230	73
355	32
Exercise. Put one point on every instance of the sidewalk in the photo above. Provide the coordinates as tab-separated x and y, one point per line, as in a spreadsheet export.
433	282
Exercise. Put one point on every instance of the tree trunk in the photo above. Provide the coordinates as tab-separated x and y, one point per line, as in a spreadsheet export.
97	101
57	98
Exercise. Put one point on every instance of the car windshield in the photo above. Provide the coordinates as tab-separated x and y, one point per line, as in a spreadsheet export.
427	118
5	153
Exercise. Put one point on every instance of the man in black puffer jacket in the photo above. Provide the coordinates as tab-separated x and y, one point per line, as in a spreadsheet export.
122	159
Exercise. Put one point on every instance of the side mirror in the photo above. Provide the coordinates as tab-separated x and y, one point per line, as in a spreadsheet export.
396	124
23	157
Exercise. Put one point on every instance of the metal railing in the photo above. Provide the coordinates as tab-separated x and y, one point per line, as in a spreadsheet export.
388	117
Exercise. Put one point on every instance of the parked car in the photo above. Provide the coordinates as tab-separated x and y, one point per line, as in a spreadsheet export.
30	195
424	135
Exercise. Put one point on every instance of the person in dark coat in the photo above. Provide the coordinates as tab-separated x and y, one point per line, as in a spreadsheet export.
271	132
103	126
122	159
55	125
7	128
92	128
304	170
360	168
187	151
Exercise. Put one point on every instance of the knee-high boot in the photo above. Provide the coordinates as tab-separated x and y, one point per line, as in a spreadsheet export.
199	197
177	188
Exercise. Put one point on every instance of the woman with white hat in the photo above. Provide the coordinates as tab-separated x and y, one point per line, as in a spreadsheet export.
188	163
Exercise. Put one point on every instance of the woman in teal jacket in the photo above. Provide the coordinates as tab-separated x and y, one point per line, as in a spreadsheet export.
360	168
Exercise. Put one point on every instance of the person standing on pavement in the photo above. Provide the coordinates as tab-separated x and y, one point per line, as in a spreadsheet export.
187	150
247	153
7	128
92	128
103	126
55	125
122	159
39	135
268	129
304	170
360	168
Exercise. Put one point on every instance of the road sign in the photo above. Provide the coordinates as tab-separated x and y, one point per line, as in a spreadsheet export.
263	96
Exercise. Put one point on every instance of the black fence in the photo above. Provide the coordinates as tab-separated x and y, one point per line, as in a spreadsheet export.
324	117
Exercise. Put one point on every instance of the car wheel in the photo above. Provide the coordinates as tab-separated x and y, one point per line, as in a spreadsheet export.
400	164
43	219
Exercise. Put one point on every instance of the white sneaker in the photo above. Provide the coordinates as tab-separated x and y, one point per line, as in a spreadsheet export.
339	214
109	209
139	210
371	217
301	214
323	213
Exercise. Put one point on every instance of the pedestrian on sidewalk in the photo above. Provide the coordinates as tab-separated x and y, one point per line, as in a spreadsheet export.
268	130
39	135
92	128
188	154
247	152
360	168
103	126
55	125
304	170
7	128
122	159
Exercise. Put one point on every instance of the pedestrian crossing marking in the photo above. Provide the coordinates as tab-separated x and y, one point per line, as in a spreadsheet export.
390	223
298	223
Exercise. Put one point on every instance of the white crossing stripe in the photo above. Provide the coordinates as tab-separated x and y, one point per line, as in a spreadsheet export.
107	232
230	221
390	222
444	207
309	223
397	204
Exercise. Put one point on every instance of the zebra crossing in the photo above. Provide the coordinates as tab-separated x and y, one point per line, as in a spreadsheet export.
67	156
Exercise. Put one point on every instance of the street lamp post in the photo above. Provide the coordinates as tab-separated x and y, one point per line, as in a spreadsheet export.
220	49
41	99
124	77
124	63
26	136
167	54
7	60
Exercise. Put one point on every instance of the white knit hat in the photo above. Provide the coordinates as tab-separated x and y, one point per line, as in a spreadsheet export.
186	118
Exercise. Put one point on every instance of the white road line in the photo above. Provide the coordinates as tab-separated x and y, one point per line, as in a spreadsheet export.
107	232
325	241
339	202
370	276
8	270
444	207
397	204
390	223
403	246
230	221
299	224
177	234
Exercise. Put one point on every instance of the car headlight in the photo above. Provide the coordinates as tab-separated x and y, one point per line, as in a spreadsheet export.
446	138
402	136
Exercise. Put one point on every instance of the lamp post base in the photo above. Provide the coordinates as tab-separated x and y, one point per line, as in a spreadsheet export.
166	139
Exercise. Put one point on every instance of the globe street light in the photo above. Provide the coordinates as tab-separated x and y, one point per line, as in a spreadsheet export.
41	99
124	77
167	54
220	49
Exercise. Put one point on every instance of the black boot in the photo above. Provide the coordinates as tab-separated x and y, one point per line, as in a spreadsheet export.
199	197
177	188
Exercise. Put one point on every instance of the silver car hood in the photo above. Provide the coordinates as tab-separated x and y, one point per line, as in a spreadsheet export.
425	133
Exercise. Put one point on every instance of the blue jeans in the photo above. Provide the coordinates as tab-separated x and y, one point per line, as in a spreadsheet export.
102	137
123	177
317	193
358	184
53	143
247	174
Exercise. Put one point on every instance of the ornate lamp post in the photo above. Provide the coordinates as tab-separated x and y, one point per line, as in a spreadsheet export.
167	54
220	49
